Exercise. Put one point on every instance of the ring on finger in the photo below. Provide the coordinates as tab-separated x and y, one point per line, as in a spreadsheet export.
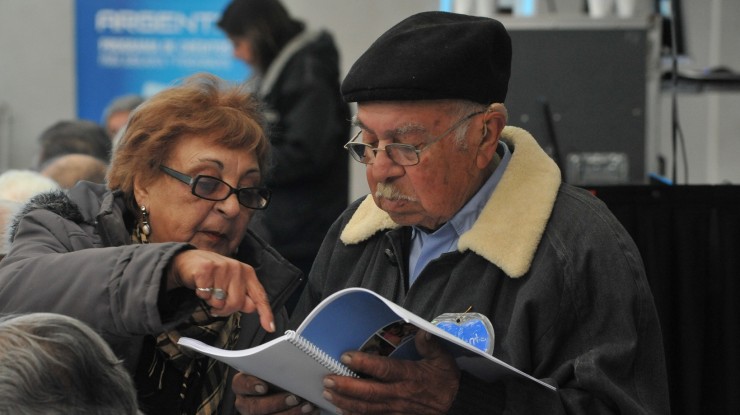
218	293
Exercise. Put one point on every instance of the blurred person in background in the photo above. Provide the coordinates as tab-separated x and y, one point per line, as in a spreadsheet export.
56	365
20	185
295	71
115	115
73	137
68	169
16	188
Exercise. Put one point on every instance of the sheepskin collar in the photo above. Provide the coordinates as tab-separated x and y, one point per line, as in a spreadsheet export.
513	220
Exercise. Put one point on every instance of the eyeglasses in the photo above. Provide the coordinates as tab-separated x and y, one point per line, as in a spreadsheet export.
211	188
401	154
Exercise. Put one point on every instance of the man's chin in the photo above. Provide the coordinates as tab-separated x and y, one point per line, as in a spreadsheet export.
403	217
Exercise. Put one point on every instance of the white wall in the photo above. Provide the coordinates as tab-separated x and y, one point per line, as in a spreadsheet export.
37	73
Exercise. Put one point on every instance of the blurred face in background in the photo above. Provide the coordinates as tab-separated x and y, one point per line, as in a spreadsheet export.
244	50
115	122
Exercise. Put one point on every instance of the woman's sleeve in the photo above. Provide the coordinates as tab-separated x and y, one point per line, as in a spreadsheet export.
55	266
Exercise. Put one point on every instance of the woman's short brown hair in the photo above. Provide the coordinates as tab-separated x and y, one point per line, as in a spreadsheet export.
202	105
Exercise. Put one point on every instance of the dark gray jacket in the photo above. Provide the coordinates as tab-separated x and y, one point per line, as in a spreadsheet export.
72	254
561	280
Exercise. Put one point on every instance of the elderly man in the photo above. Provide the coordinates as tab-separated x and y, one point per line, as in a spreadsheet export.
469	215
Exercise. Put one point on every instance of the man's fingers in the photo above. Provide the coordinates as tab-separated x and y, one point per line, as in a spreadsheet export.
244	384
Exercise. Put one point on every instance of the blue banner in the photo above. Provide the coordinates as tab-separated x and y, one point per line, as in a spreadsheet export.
142	46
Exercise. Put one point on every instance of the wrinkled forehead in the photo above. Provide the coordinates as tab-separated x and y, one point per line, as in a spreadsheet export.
414	115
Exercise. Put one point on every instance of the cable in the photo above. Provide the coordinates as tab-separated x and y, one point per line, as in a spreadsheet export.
547	115
676	131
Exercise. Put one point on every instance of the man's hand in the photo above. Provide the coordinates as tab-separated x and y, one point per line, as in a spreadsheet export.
252	398
427	386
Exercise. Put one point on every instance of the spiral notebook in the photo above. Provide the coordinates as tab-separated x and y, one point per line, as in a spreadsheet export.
282	361
350	319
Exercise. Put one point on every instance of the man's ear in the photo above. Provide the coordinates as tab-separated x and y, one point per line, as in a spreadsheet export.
494	121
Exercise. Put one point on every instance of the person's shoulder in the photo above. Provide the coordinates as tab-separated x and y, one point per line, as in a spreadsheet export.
319	53
579	196
583	211
325	39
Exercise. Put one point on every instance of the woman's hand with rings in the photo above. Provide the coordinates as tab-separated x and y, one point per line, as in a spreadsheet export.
227	285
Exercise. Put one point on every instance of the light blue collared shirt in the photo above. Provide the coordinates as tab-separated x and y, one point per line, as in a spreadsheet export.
426	247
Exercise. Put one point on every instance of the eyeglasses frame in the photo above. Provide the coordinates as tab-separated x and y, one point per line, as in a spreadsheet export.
416	150
191	181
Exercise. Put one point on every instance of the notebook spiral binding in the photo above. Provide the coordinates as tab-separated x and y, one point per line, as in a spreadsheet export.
319	355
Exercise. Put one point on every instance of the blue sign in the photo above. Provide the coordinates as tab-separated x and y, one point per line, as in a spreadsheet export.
142	46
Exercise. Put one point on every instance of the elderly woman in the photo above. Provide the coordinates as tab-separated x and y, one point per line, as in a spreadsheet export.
163	251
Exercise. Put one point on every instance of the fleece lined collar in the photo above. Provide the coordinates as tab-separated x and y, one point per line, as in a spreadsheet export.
513	220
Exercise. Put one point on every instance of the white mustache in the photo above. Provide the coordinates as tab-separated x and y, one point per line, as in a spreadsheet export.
390	192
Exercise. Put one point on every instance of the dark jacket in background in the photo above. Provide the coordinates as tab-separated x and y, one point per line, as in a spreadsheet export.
309	124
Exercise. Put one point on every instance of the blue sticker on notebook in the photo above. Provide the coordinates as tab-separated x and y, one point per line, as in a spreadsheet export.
473	328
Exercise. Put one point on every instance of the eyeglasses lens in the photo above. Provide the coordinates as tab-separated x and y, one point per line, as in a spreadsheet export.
360	152
254	198
210	188
402	154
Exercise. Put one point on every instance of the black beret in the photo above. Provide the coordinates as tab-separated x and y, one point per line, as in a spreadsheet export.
434	55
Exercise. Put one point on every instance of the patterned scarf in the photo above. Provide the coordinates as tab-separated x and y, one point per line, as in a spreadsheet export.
220	332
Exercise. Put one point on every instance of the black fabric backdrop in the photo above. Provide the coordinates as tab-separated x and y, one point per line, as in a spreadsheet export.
689	238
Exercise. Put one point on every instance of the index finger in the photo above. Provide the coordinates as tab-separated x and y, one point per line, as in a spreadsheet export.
257	300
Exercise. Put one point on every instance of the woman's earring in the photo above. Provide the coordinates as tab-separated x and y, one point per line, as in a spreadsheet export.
143	229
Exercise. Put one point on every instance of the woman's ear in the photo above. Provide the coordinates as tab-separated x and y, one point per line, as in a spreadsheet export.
141	194
494	121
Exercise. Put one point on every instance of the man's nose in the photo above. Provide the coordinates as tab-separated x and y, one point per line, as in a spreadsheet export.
384	167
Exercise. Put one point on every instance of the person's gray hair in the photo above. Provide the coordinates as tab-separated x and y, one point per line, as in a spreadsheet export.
124	103
53	364
20	185
462	108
